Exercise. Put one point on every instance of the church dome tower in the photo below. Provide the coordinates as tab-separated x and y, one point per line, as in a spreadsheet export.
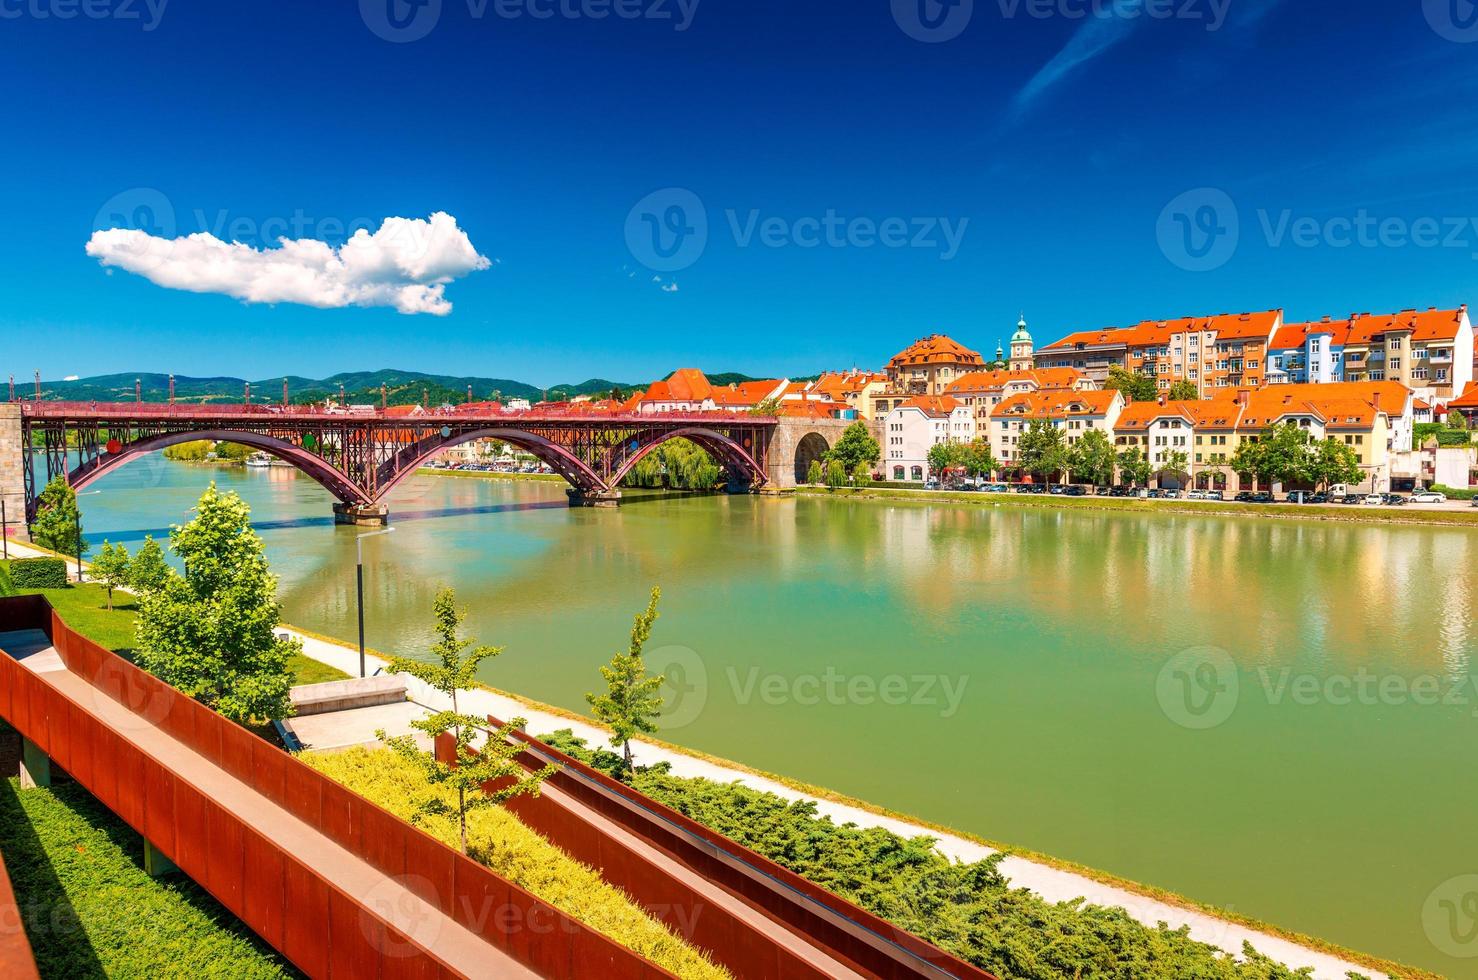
1021	347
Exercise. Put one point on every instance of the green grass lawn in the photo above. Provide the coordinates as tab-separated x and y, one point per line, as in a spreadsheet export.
90	910
85	608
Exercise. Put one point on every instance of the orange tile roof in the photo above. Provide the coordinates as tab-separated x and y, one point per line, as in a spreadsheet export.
995	380
1057	403
935	349
1468	399
1430	325
1107	337
934	406
745	393
1292	335
812	408
1153	333
1340	405
685	385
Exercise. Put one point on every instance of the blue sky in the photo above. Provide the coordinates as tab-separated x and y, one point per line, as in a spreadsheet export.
1089	170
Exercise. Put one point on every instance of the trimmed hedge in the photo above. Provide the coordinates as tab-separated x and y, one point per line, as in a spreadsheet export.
7	587
38	573
1455	493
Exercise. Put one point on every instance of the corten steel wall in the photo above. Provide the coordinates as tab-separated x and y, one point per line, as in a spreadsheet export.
17	962
279	895
846	931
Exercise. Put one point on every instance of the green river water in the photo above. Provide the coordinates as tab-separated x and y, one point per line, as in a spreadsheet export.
1277	717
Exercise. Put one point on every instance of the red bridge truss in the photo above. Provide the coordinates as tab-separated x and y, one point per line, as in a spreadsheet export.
361	456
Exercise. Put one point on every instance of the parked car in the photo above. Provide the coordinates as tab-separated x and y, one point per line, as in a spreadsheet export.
1245	497
1263	497
931	484
1195	495
1076	491
1393	500
1058	490
1354	498
1373	500
1171	494
1428	497
1215	495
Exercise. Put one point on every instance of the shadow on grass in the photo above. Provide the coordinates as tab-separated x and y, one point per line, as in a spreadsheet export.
57	936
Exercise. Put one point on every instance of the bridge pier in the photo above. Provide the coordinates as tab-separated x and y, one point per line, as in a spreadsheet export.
593	498
363	515
13	471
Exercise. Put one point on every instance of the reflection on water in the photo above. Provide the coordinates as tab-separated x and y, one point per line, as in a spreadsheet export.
1056	624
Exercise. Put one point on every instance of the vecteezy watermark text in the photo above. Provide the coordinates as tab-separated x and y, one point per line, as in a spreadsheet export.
668	230
402	21
1201	688
1201	230
148	13
935	21
837	689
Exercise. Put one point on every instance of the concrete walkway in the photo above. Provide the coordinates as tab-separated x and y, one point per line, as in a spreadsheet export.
1050	883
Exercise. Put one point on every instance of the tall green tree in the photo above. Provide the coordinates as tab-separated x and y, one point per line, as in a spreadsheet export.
1334	462
454	669
1176	463
856	447
148	572
1041	449
941	456
815	473
1183	391
1286	455
212	631
1134	387
978	459
1092	458
1134	467
110	569
58	522
1247	460
631	705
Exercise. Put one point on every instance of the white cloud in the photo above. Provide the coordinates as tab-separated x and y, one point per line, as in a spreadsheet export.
72	377
670	288
406	264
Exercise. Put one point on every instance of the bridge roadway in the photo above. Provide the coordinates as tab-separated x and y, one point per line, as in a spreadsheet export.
361	456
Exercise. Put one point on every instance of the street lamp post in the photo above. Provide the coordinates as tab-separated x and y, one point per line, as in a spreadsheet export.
359	586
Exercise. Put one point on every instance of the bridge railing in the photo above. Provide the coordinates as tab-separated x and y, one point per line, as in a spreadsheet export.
152	411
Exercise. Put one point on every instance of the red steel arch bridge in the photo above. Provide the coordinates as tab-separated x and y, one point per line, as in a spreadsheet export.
360	456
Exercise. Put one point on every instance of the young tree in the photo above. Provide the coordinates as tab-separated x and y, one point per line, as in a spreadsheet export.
148	571
631	704
836	474
58	523
1285	455
455	669
1134	467
1183	391
1092	458
1041	449
856	447
1134	387
978	459
1248	459
212	631
941	456
1334	462
768	408
862	475
1176	463
815	473
110	569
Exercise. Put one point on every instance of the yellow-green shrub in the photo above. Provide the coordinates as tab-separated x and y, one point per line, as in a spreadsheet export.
497	839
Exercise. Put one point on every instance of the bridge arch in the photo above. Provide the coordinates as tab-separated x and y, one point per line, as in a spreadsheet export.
811	447
734	456
560	459
316	467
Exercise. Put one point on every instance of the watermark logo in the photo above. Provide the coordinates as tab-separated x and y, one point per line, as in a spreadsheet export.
1200	229
1453	20
400	21
667	230
148	13
1198	688
834	688
684	689
414	925
144	209
1450	917
933	21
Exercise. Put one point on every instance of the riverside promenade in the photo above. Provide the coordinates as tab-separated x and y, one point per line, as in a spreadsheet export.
1051	883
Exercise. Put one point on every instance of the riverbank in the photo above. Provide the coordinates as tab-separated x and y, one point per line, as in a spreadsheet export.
489	474
1050	878
1337	513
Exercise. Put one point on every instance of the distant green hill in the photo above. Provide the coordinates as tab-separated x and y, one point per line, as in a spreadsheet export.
361	387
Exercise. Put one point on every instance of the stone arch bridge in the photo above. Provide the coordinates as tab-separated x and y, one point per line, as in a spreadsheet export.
360	457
